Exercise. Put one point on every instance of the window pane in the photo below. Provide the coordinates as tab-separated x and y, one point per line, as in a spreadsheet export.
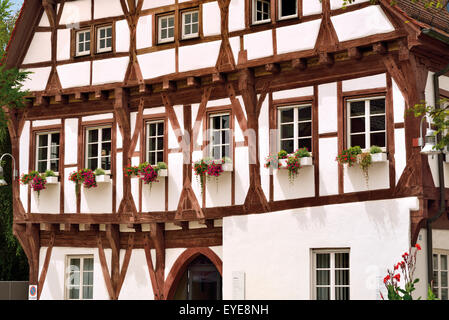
443	259
87	292
164	22
195	28
106	163
444	295
74	278
307	143
109	32
55	138
160	156
42	166
357	125
304	129
163	33
88	264
87	46
43	140
81	37
359	140
215	138
304	113
444	278
195	17
435	262
105	149
378	139
160	143
377	123
342	293
216	122
286	115
102	44
102	33
225	122
187	29
80	47
74	293
357	108
88	277
152	158
160	128
92	150
341	277
171	32
152	144
171	21
323	293
322	277
288	7
187	17
377	106
216	153
54	165
54	152
287	131
42	153
87	36
109	43
287	145
323	260
92	164
92	136
435	279
342	260
225	151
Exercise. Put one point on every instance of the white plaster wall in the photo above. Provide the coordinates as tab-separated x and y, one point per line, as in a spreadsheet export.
236	15
264	146
211	19
63	51
40	48
143	32
421	264
122	36
24	149
96	117
158	63
148	4
398	103
310	7
296	92
137	283
327	108
119	179
337	4
370	82
40	123
107	8
44	22
328	150
376	232
155	110
69	192
76	11
235	47
288	40
253	41
175	182
37	79
302	186
109	70
97	200
370	20
153	197
428	91
444	82
74	74
241	174
208	51
54	285
47	201
378	177
218	190
399	149
71	139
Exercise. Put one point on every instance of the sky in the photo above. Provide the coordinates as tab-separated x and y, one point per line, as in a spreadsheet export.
17	4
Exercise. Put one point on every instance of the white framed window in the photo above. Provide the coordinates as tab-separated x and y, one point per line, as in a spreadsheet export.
190	24
295	127
83	42
287	9
220	135
440	274
331	273
366	122
166	28
104	39
155	142
98	148
47	151
261	11
79	278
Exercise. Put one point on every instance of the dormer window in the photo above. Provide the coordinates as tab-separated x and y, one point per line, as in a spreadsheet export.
83	42
261	11
104	39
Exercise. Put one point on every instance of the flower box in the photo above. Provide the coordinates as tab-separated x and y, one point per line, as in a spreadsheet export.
306	161
103	178
52	180
162	173
227	167
283	163
379	157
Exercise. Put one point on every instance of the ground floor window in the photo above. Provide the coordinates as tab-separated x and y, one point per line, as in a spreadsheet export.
80	278
440	282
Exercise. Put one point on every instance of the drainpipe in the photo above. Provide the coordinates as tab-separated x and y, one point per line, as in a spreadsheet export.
436	95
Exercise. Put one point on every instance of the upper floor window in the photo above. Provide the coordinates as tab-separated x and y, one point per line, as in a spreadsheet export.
166	28
220	135
155	142
83	42
440	276
288	9
366	122
330	274
261	11
190	24
295	127
98	153
47	151
80	278
104	39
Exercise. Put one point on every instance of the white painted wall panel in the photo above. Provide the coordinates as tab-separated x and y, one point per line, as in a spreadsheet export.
211	19
158	63
23	162
109	70
328	149
119	179
71	139
208	52
143	32
218	190
39	49
44	20
69	192
293	93
302	186
310	7
444	83
175	182
148	4
155	110
370	20
97	200
371	82
288	40
400	155
327	108
47	201
153	197
235	47
218	102
37	79
253	41
107	8
378	178
40	123
74	74
264	146
76	11
398	103
236	15
337	4
119	139
63	51
122	36
241	174
137	283
96	117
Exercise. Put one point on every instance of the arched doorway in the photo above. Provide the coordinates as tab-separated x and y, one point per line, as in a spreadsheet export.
200	281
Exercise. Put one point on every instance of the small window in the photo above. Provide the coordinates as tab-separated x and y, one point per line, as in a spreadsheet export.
104	39
47	152
98	153
155	142
80	278
220	136
83	42
295	128
288	9
261	11
190	24
166	28
330	274
440	276
367	123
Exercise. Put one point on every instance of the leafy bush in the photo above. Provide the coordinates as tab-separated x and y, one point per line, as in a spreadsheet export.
302	153
99	172
162	165
282	154
375	149
49	173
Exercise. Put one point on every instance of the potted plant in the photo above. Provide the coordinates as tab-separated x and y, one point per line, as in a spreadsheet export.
101	176
51	177
35	180
85	177
226	164
272	161
131	171
293	166
200	168
304	156
282	158
377	155
162	167
147	173
214	169
349	156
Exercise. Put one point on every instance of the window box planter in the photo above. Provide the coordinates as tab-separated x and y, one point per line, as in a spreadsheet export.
52	180
306	161
162	173
105	178
226	166
379	157
283	163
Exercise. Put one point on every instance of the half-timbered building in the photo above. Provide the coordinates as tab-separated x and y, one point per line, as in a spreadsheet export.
117	83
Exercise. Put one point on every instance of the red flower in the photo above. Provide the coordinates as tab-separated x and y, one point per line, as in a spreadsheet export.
405	255
386	278
417	246
397	277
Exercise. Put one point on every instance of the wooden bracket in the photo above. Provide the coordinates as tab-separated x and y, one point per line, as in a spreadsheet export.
193	82
218	78
355	53
168	85
380	48
299	63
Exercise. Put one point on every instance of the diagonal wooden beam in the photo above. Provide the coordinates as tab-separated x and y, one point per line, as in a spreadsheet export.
199	116
157	292
125	264
44	270
104	268
171	114
263	95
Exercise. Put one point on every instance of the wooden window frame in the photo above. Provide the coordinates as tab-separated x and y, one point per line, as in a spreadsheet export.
144	133
207	127
437	285
279	10
97	38
158	27
86	129
181	23
332	286
91	41
253	13
67	275
275	14
346	115
36	149
147	123
295	123
211	146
